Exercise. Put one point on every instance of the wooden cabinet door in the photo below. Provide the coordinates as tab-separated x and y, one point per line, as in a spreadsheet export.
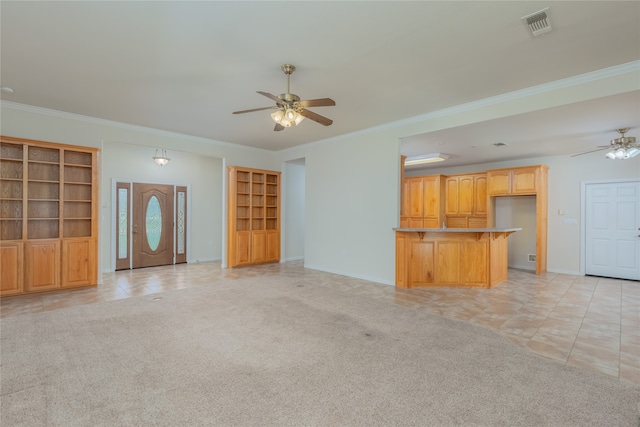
447	260
258	246
78	263
432	197
451	195
241	249
12	262
499	183
465	195
416	201
43	261
421	267
475	263
405	207
523	181
480	195
273	246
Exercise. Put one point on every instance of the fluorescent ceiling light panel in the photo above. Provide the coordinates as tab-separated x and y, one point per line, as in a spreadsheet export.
427	158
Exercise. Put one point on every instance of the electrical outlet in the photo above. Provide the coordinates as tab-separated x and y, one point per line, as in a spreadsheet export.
532	258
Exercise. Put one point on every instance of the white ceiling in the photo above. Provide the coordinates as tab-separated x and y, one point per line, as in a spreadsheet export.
185	66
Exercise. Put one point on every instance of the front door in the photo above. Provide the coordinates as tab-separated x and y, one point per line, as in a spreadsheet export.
152	225
612	229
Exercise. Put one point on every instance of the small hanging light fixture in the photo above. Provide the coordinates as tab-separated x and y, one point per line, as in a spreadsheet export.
161	159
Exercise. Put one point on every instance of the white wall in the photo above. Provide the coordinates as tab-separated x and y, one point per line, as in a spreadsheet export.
294	214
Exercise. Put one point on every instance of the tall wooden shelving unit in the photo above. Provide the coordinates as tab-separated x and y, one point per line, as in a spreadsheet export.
253	216
48	216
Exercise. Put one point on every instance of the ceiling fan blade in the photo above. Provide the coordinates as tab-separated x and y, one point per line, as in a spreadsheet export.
320	102
587	152
254	109
316	117
278	127
273	97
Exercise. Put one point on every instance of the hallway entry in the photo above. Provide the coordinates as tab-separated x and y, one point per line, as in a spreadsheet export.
151	225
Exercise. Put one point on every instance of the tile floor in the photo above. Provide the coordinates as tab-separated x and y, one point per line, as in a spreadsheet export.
588	322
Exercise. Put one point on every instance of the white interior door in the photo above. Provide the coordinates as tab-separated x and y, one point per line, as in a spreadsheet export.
612	229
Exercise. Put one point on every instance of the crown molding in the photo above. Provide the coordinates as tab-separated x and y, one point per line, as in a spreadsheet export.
569	82
104	122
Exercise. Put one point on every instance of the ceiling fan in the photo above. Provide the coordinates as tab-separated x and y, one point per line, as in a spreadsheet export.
621	148
291	110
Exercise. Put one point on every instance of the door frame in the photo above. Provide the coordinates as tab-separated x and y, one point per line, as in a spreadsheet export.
114	217
583	215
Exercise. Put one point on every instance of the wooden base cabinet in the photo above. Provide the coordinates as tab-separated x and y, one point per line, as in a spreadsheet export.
48	216
253	220
77	266
446	258
43	259
11	268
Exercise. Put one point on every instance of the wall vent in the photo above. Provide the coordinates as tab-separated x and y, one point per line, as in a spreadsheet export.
532	258
538	22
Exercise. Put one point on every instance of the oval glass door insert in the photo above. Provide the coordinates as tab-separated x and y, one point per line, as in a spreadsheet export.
153	223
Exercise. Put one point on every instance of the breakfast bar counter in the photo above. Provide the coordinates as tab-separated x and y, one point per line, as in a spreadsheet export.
462	257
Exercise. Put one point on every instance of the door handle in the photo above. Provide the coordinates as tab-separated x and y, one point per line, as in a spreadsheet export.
135	229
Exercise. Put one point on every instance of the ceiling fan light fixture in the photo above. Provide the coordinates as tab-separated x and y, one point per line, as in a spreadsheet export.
624	147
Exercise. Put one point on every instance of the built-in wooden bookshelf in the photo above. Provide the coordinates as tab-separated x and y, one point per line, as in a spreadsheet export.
48	216
253	216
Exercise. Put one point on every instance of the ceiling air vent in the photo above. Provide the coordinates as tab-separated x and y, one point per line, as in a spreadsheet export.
538	22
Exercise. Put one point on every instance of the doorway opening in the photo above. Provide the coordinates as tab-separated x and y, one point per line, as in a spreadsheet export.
151	225
612	229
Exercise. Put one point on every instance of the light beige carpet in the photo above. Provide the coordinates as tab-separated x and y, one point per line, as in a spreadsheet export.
275	351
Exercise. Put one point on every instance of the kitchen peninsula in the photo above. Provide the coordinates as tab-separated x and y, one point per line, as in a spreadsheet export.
457	257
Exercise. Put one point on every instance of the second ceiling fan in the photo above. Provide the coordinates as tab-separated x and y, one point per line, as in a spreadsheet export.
291	110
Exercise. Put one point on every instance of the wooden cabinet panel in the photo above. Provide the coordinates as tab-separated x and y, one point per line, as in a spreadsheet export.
477	222
273	246
452	190
416	197
401	257
498	183
78	263
422	263
43	261
475	263
523	181
503	182
457	222
258	246
242	247
466	195
11	268
447	270
431	197
480	195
